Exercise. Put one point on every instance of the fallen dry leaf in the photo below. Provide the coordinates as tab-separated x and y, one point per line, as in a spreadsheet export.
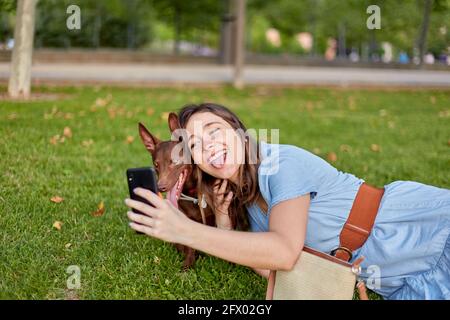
345	148
57	225
67	245
54	140
112	112
56	199
150	111
444	114
316	150
100	102
58	138
67	132
87	143
433	99
130	139
68	115
156	260
375	148
351	103
332	157
50	115
100	210
165	116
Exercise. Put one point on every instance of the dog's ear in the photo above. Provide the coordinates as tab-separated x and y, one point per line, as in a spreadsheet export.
147	138
174	124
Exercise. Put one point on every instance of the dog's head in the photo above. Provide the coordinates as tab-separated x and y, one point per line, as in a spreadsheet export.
169	160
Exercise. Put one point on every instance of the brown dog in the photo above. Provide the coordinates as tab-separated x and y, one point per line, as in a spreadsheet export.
178	180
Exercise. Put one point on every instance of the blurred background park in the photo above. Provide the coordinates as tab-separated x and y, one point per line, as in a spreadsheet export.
364	84
283	31
409	34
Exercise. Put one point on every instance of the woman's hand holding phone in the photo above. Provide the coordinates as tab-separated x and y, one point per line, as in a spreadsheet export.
160	219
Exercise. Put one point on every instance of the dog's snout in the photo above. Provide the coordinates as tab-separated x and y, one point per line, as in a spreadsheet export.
162	187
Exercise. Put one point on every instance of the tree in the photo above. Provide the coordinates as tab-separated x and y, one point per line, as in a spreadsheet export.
20	78
189	16
422	43
239	8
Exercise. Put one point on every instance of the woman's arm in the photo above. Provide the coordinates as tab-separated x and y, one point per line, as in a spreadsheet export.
262	272
277	249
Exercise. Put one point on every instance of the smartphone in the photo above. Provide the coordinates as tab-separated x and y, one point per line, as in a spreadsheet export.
144	178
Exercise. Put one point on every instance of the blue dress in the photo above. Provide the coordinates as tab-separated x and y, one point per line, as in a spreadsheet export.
407	255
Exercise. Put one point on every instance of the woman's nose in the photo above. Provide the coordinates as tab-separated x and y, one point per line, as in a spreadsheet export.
207	145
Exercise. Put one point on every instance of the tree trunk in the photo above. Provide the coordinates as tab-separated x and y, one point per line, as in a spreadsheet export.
238	81
226	34
20	78
98	11
177	25
132	17
422	43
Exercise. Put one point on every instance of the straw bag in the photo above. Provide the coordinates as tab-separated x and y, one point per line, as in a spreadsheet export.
315	276
320	276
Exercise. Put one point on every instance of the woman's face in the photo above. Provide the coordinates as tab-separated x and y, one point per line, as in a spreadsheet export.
215	145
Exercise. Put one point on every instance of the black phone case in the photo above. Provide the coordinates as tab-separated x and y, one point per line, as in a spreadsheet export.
144	178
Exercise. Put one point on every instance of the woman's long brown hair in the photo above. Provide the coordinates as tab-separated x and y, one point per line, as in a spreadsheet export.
246	192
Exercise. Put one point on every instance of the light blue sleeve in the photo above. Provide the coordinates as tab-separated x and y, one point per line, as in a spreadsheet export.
294	176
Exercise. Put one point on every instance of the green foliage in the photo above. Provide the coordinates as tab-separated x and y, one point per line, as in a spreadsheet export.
400	21
8	5
138	23
197	21
114	23
7	9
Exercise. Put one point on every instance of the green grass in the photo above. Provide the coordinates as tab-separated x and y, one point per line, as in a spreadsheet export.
412	129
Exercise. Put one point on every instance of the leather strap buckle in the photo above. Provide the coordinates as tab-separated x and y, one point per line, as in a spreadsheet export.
346	250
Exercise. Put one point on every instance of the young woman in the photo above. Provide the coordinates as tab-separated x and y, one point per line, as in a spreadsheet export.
293	198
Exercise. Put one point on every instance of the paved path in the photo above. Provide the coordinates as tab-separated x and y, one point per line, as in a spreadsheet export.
212	74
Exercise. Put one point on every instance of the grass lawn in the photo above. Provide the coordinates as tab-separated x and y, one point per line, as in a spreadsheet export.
380	136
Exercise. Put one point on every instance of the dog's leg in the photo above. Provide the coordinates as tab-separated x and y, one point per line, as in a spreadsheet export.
180	247
189	258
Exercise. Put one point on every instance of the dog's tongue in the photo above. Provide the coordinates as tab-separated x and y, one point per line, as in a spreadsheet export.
172	195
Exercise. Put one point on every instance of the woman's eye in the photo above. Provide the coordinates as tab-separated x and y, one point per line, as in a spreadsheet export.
194	145
212	132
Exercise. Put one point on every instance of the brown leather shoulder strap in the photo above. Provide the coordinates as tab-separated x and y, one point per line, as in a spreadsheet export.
360	221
